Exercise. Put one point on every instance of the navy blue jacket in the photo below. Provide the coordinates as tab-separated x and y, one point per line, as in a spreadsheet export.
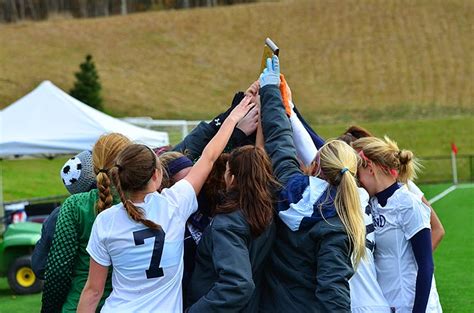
310	265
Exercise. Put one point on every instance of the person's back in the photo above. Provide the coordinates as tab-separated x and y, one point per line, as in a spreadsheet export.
68	260
226	227
303	263
78	176
68	263
143	237
319	215
84	213
151	260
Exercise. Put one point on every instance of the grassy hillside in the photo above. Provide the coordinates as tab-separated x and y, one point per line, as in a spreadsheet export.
345	60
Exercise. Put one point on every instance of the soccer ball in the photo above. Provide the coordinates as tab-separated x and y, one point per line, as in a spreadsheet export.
71	171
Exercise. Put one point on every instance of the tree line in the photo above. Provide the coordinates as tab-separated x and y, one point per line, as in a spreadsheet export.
17	10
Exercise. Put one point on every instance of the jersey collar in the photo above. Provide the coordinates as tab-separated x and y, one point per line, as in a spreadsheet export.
383	196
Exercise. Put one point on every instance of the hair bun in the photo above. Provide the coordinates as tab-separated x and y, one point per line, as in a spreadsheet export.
405	156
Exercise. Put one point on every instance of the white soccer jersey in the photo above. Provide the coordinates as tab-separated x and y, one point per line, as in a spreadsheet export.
147	264
414	189
434	304
403	216
366	294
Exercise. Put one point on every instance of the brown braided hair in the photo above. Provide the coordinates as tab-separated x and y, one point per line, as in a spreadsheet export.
104	153
133	169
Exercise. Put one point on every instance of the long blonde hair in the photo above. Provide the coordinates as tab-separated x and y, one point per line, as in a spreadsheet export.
338	163
104	153
401	164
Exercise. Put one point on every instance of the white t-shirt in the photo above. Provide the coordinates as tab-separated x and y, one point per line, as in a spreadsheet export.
366	294
139	283
403	216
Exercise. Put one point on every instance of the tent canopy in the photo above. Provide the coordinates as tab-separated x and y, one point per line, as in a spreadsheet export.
48	121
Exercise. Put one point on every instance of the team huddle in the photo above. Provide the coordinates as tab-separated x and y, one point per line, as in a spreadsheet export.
251	212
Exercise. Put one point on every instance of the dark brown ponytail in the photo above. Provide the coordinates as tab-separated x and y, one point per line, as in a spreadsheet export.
133	169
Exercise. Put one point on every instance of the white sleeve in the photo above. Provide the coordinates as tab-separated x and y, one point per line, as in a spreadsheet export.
96	245
413	217
414	189
305	147
183	196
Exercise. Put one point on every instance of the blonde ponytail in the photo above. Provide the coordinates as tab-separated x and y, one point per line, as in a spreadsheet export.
104	153
349	211
105	195
338	162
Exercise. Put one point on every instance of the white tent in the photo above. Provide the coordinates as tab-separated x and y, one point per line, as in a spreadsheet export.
48	121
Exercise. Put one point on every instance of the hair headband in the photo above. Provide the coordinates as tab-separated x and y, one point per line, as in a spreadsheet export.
178	164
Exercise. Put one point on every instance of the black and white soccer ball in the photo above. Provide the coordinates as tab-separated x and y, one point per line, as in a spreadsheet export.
71	171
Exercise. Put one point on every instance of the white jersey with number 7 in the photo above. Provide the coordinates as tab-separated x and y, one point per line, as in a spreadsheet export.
147	263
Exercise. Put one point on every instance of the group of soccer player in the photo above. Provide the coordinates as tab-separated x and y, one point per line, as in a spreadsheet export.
252	212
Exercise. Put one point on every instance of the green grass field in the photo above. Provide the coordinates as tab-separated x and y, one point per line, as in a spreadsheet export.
454	258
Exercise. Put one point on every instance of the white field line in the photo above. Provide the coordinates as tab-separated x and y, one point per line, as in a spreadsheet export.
465	186
442	194
447	191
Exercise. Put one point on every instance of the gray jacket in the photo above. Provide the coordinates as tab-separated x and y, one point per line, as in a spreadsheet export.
229	266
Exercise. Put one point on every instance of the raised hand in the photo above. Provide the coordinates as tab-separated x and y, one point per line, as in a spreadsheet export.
253	89
249	123
241	109
286	95
271	74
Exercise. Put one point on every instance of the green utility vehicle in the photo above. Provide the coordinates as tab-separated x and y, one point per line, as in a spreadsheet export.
16	246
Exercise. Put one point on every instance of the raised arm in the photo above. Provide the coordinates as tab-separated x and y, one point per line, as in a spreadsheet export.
199	172
194	143
305	147
276	126
317	140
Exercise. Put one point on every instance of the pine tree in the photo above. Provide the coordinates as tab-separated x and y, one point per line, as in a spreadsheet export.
87	86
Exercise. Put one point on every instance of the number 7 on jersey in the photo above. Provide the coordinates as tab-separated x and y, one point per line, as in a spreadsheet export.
139	236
